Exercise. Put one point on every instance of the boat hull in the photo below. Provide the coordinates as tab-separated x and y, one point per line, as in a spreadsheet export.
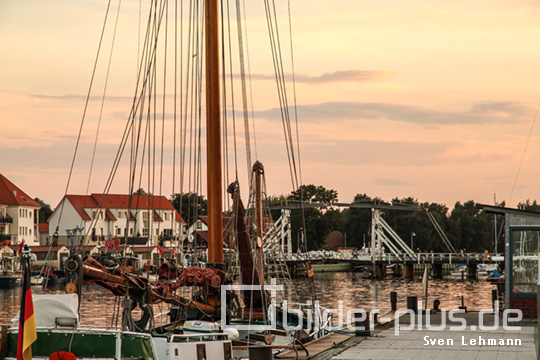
7	281
110	344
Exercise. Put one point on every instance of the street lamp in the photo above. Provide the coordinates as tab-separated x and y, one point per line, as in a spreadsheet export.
412	240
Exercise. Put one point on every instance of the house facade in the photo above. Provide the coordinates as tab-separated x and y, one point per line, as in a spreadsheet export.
138	220
18	215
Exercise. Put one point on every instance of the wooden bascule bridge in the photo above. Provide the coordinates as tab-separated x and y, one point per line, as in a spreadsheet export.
386	248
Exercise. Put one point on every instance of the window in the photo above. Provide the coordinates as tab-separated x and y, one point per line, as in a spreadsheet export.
157	232
145	231
199	224
131	231
29	231
525	244
145	219
118	231
93	214
120	214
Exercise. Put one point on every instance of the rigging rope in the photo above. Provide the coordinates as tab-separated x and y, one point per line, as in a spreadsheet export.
524	152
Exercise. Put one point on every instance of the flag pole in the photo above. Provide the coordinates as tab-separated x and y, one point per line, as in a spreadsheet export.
27	321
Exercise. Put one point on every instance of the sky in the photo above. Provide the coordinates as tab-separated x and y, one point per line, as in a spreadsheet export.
434	99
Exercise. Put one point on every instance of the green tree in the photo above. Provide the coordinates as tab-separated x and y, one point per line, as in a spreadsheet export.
309	225
529	206
470	227
357	221
140	191
314	194
190	205
45	211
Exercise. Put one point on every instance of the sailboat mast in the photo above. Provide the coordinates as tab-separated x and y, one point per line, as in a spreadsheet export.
213	129
258	171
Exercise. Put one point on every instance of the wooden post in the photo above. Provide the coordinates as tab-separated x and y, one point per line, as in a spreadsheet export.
4	342
393	300
437	271
381	271
412	303
471	272
408	271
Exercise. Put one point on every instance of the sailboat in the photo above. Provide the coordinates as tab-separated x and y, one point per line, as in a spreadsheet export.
200	337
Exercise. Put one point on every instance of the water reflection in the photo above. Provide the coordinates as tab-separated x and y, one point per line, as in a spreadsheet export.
98	305
367	294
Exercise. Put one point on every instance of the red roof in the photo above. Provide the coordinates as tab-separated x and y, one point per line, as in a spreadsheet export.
43	227
157	218
109	215
80	202
37	249
142	249
86	248
111	201
12	195
137	202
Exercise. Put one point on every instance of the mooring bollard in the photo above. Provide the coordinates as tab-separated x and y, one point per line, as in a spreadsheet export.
463	307
412	303
393	300
260	352
363	323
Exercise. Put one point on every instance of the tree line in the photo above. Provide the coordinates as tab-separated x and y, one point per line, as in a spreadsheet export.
466	225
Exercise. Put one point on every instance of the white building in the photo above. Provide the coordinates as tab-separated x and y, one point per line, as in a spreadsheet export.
18	215
137	219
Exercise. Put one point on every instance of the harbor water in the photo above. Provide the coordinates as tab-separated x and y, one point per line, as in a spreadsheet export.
98	304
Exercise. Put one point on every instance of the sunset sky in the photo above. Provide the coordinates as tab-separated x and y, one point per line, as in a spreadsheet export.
430	99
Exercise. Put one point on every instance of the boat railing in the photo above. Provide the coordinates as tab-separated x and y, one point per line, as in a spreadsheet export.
198	337
432	257
321	328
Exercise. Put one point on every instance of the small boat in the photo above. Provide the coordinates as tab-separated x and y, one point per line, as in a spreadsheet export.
459	270
36	280
481	269
10	274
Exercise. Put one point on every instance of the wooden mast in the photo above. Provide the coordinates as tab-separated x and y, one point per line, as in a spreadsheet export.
213	139
258	171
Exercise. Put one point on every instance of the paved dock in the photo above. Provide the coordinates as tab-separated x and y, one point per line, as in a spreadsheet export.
457	345
485	340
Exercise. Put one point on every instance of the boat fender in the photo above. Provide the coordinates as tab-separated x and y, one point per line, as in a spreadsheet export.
62	355
232	333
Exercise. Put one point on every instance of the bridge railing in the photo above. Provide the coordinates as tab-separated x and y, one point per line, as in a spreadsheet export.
422	257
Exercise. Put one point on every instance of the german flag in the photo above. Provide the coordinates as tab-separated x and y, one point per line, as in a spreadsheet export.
27	321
